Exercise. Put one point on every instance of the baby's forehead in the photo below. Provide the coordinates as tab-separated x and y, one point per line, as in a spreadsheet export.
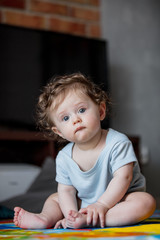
63	95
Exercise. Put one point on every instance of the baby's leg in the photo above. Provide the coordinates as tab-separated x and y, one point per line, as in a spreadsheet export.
134	208
50	214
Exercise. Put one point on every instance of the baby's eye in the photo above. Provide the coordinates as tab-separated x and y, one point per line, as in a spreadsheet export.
82	110
65	118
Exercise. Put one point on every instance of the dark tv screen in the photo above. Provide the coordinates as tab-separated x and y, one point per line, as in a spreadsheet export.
29	58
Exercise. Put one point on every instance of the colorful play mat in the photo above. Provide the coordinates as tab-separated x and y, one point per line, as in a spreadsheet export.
149	229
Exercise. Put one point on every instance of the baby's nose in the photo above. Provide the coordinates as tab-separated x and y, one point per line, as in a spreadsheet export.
76	119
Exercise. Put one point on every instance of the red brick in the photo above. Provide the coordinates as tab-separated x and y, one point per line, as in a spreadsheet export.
48	7
86	14
13	3
64	26
85	2
94	30
21	19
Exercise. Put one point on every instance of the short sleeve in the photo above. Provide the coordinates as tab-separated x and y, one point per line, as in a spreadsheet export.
62	175
122	154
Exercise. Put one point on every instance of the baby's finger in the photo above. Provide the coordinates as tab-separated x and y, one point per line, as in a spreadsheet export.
89	217
58	224
64	224
102	220
83	210
95	219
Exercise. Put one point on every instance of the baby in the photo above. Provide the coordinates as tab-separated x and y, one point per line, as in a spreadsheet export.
99	180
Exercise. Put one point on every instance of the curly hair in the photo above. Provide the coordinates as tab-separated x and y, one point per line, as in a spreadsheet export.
56	89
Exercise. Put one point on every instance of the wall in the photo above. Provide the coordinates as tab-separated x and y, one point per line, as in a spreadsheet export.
79	17
133	31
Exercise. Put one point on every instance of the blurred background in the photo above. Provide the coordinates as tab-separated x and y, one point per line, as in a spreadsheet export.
132	29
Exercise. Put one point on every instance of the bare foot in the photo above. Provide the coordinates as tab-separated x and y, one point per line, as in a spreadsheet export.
76	220
24	219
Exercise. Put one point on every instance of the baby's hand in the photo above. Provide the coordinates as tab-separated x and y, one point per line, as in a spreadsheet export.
61	224
95	212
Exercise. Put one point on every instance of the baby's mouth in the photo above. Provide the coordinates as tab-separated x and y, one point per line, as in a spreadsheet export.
79	129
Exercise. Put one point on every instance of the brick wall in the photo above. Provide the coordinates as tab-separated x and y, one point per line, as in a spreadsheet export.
78	17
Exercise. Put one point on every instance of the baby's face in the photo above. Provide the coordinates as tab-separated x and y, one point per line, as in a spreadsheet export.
77	117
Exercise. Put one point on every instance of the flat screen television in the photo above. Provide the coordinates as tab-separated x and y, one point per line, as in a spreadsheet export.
29	58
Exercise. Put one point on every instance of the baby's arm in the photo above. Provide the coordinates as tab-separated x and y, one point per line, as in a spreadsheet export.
67	201
115	191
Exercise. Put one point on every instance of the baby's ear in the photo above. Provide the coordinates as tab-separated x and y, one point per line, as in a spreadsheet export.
56	131
102	110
